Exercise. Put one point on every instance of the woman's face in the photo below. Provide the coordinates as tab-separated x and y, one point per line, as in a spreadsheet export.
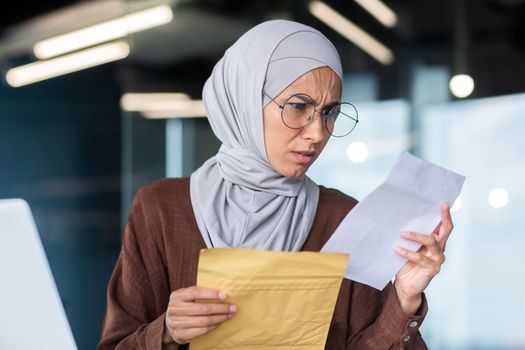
292	151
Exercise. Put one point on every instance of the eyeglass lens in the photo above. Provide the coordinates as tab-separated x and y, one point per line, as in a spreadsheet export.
339	119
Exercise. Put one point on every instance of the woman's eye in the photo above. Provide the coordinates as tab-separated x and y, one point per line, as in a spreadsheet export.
328	112
332	111
298	106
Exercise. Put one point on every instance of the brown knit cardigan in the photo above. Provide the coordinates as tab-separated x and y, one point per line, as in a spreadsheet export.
160	251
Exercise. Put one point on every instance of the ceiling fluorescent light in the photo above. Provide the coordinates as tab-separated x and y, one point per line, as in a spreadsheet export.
183	109
380	11
351	31
162	105
152	102
103	32
41	70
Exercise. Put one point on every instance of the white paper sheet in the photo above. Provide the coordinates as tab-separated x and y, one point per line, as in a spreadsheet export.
408	200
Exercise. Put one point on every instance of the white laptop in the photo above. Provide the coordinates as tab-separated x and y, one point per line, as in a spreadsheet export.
31	313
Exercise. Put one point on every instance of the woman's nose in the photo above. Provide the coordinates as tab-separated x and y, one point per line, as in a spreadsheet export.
315	129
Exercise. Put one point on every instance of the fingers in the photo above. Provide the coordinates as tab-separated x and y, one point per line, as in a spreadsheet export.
425	263
445	214
431	265
182	302
429	241
187	319
195	293
446	226
186	322
199	309
430	256
433	250
442	231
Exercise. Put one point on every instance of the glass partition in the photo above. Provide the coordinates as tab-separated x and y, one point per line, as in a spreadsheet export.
477	300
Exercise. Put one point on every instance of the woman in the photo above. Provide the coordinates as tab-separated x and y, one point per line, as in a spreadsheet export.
272	100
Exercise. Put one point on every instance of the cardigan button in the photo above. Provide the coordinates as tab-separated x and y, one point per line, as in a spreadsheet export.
407	338
413	324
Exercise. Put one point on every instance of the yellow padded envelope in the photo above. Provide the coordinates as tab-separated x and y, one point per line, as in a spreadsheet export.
285	299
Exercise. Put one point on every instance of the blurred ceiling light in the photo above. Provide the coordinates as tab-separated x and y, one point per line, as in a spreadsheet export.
461	85
184	109
380	11
103	32
357	152
351	31
457	205
41	70
151	102
498	198
162	105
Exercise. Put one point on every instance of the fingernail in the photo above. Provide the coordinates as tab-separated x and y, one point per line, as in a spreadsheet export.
405	234
233	308
222	295
399	250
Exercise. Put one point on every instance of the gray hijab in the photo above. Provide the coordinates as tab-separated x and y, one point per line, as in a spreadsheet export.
238	199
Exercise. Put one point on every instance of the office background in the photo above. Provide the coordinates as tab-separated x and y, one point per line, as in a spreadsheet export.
444	79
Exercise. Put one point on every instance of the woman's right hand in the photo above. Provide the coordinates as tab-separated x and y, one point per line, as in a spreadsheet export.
186	319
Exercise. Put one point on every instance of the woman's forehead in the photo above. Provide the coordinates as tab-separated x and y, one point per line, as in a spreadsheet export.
317	83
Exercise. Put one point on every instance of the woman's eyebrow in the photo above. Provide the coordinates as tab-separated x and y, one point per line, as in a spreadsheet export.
299	94
304	96
329	105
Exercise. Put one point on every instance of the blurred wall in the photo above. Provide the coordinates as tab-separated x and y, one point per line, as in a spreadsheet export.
60	142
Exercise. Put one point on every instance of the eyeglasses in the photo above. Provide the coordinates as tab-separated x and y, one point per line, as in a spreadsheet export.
298	110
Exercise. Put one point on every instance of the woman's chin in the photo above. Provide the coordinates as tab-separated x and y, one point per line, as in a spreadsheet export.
294	173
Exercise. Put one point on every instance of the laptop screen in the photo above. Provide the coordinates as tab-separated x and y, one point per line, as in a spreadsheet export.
32	313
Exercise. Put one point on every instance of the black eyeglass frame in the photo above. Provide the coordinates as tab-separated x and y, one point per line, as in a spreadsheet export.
356	119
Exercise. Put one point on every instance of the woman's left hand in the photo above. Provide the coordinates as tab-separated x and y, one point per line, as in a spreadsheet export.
423	264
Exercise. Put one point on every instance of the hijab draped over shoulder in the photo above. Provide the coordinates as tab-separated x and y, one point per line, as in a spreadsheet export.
238	199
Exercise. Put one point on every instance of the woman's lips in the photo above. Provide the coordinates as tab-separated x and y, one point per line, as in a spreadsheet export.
303	157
